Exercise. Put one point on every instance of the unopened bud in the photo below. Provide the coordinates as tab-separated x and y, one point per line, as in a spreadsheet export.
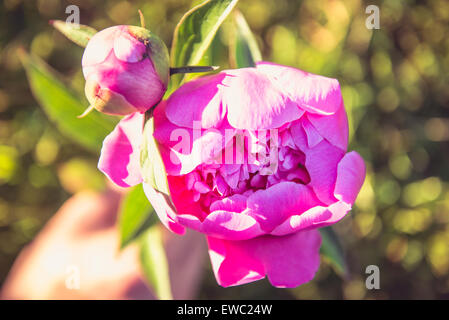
126	70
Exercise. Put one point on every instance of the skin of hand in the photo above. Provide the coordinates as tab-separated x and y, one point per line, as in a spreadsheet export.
76	256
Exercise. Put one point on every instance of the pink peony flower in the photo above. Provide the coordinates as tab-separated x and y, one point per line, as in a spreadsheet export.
256	160
126	70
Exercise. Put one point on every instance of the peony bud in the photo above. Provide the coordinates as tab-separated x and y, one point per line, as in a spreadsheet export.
126	70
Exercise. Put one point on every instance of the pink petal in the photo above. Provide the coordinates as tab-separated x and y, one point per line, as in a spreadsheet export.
253	102
184	199
163	209
139	83
163	128
234	203
220	223
313	136
272	206
172	141
288	261
313	218
224	225
350	177
184	148
99	47
333	128
321	164
120	154
299	136
127	48
313	93
351	174
197	100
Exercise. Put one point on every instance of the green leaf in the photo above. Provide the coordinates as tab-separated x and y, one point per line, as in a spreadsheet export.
244	49
63	106
332	250
154	263
135	215
196	30
151	161
78	33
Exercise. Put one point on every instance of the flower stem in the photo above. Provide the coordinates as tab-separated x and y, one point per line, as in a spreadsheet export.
192	69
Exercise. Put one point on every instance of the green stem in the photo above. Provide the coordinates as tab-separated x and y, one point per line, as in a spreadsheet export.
192	69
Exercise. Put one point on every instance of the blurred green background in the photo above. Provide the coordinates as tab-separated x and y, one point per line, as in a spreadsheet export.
396	92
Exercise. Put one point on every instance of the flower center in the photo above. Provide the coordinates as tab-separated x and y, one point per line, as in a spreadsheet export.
265	163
